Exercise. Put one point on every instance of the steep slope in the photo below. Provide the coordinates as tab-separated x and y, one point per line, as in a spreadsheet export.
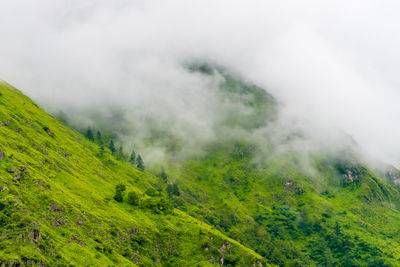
57	203
254	183
324	208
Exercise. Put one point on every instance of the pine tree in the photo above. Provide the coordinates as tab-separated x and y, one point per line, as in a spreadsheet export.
89	134
121	152
119	192
163	175
99	139
173	189
112	147
132	158
139	163
101	150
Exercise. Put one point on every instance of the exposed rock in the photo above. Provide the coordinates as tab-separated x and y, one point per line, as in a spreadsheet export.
55	208
59	223
212	261
393	175
36	235
23	169
7	122
350	176
48	131
2	155
12	170
289	183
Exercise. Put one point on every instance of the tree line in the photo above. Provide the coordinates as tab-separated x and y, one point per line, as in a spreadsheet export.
103	141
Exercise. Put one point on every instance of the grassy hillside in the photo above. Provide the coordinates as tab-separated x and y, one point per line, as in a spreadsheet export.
58	206
295	208
247	197
329	209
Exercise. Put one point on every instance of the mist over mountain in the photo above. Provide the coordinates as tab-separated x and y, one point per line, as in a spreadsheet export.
199	133
325	64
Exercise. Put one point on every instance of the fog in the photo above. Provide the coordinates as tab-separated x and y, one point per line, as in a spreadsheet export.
330	64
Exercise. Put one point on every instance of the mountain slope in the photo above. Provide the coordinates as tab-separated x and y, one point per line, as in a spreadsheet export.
57	203
295	207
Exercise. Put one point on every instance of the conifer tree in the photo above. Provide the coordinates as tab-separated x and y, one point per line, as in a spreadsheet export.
112	147
121	152
163	175
132	158
89	134
101	150
99	139
139	163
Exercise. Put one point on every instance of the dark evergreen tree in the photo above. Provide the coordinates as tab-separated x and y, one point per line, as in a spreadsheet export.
121	152
99	138
173	189
112	147
132	158
139	163
101	150
119	192
89	134
163	175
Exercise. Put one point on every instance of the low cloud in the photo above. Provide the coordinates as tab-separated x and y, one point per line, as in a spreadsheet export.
331	64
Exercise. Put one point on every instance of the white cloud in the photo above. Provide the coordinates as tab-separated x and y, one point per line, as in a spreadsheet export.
334	63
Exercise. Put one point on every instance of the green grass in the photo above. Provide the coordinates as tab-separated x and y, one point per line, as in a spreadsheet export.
57	205
238	198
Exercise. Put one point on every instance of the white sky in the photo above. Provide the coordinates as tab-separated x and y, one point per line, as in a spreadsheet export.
334	63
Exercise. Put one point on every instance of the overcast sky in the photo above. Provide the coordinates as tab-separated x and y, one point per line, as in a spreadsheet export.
334	63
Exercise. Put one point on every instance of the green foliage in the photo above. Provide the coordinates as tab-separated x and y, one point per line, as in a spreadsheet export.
132	158
139	163
119	192
99	138
151	192
159	205
56	208
163	175
173	189
112	147
121	154
56	192
89	134
133	198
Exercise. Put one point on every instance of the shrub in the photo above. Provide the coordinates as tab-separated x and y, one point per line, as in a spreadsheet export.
133	198
151	192
119	192
159	205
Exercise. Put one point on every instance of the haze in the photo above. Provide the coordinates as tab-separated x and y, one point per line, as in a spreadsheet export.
333	64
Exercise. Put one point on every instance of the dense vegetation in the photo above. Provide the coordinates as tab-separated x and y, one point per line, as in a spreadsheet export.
80	199
65	200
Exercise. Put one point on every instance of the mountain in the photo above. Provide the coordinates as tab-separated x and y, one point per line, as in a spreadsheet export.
58	207
255	194
292	205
